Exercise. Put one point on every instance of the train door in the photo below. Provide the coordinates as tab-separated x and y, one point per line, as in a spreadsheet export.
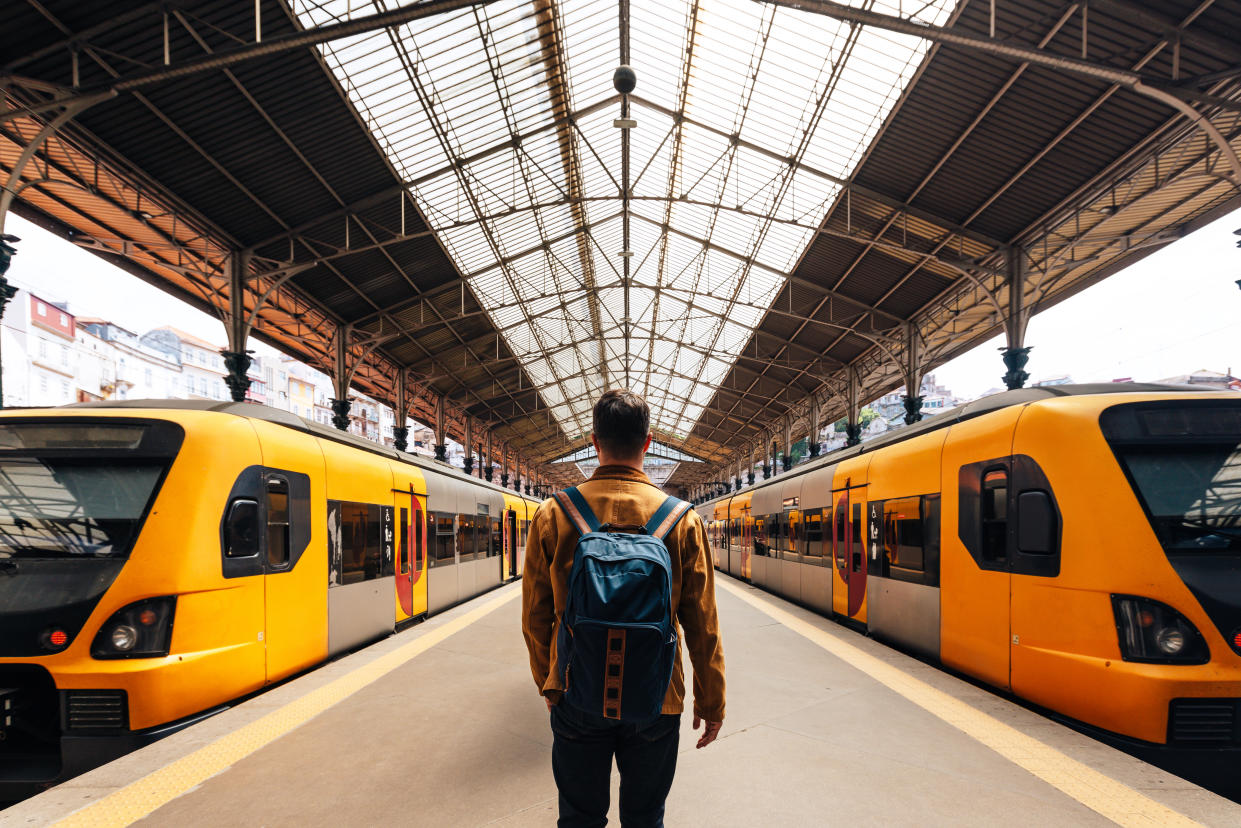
290	488
857	555
975	562
747	542
410	552
841	533
510	545
849	551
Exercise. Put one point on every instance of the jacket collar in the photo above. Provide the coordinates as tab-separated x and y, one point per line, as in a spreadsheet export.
620	473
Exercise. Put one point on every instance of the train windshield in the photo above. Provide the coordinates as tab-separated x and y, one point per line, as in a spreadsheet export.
72	490
1193	496
56	508
1185	464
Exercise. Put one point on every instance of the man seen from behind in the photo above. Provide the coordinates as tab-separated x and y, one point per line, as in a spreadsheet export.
624	500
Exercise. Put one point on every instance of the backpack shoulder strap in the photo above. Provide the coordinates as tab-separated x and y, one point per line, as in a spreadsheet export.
575	507
666	517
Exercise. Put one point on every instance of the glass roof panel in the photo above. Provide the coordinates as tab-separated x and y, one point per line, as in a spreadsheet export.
476	109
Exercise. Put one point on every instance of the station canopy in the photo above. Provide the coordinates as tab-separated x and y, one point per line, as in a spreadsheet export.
793	207
517	166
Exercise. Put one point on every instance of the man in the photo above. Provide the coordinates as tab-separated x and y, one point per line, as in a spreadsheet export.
584	743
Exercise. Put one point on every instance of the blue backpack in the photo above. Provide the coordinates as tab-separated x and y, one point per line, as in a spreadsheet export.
616	642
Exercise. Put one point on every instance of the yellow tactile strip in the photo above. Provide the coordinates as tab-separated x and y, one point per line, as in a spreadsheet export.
141	797
1102	794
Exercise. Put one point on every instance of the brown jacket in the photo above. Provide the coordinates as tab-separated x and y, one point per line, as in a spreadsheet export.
623	495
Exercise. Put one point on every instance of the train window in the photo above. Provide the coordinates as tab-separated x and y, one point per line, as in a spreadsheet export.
994	515
814	533
445	533
902	535
277	522
419	535
497	537
856	547
465	537
796	531
241	529
404	551
361	547
842	530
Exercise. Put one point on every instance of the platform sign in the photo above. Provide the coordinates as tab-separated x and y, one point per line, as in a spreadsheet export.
387	536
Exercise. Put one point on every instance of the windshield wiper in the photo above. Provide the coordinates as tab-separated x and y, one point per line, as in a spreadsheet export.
1208	525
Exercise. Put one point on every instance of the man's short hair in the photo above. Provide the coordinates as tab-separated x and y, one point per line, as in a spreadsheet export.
622	422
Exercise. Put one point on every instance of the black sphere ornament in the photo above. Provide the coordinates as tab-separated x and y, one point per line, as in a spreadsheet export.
624	79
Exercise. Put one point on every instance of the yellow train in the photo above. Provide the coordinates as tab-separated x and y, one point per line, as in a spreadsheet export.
159	559
1079	546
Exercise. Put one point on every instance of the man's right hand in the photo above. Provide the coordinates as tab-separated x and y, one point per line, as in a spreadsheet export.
709	732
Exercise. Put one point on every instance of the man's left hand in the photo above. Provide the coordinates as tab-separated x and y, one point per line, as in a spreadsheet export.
550	703
709	732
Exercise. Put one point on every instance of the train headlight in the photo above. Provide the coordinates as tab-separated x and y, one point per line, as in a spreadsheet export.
1155	633
124	637
141	630
1170	640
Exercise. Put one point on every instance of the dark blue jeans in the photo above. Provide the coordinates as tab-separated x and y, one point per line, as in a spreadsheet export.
582	749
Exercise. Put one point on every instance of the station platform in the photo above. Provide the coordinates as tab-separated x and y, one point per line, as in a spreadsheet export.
441	726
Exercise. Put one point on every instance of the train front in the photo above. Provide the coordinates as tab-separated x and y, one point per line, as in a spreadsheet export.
89	590
1140	635
1183	461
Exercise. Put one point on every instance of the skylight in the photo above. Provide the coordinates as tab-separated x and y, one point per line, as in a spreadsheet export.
501	118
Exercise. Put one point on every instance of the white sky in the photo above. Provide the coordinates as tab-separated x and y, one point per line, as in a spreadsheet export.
1176	311
58	271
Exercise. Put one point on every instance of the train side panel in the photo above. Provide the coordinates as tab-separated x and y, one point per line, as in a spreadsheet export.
903	596
296	623
359	580
974	633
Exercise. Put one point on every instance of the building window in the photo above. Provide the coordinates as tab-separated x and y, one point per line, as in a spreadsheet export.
202	386
64	387
149	378
64	356
43	349
43	382
42	308
64	320
189	385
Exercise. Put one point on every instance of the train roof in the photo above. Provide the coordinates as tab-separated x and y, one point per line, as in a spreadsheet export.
985	405
289	420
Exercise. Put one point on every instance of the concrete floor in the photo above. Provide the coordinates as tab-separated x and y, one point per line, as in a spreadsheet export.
457	736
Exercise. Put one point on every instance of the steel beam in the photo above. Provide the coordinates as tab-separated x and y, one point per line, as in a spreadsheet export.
969	40
273	45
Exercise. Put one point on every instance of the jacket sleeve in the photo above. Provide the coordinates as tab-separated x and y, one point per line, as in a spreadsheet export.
697	615
538	617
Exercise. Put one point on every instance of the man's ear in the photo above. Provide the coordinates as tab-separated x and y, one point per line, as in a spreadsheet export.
594	441
647	445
